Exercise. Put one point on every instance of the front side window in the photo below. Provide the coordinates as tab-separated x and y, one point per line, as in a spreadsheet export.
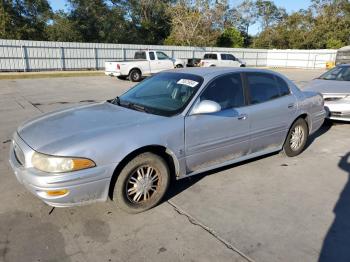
164	94
262	87
341	73
225	90
162	56
231	57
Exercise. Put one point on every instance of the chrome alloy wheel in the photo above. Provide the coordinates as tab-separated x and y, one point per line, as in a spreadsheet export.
142	184
297	138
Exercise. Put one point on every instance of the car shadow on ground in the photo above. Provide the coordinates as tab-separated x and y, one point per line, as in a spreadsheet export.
178	186
321	131
336	245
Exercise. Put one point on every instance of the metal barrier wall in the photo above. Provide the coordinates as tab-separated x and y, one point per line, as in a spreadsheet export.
23	55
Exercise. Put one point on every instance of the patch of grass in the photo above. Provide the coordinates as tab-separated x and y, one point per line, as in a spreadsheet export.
32	75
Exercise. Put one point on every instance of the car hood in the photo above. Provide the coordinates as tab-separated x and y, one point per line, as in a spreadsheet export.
72	125
329	86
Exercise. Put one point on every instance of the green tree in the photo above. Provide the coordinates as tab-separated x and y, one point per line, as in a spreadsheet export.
269	13
149	21
90	18
245	15
326	24
334	43
24	19
97	21
197	22
63	29
231	37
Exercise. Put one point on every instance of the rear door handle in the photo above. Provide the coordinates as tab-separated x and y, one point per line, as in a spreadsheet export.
242	117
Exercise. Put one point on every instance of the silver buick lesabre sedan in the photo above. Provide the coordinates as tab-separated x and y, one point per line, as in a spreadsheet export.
175	124
335	88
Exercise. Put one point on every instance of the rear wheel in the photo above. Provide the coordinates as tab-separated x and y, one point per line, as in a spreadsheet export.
135	75
142	183
296	138
179	66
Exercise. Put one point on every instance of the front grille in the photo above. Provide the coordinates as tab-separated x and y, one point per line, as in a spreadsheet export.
336	113
332	98
19	154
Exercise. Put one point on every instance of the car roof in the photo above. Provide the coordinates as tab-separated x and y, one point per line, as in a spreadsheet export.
345	48
343	65
211	72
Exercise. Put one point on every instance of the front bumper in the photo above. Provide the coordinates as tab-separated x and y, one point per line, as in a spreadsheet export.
338	110
84	186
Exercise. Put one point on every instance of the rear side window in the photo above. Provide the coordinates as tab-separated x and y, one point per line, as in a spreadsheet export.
284	89
140	55
152	56
262	87
226	90
211	56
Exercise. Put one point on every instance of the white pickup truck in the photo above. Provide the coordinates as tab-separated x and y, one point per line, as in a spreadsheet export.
222	60
144	63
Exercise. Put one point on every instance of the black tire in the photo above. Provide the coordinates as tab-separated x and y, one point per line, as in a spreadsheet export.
293	149
179	66
126	178
135	75
242	65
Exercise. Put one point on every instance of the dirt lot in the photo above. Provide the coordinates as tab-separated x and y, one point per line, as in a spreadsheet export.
270	209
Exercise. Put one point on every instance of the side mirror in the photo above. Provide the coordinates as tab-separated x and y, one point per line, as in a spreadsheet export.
206	107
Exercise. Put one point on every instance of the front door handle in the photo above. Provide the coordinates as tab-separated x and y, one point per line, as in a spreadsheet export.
242	117
291	105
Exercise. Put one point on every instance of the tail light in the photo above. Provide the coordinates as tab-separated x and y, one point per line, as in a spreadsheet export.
118	67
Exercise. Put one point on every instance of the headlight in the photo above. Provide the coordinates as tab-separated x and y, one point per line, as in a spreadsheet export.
57	164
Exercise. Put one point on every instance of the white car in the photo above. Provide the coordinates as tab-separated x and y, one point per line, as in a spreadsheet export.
222	60
144	63
334	85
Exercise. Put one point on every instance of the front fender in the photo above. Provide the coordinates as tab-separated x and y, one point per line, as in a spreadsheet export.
167	133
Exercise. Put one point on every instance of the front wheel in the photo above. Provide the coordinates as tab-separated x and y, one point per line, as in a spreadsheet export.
296	138
179	66
142	183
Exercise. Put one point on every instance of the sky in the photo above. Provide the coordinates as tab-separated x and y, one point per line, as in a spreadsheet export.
289	5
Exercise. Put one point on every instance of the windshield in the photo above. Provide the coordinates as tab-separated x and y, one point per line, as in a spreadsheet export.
340	73
164	94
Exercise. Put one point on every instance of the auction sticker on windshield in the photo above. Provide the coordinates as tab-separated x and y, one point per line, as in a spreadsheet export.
187	82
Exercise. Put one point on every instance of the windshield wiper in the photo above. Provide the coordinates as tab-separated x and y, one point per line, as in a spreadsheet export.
138	107
130	105
116	100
